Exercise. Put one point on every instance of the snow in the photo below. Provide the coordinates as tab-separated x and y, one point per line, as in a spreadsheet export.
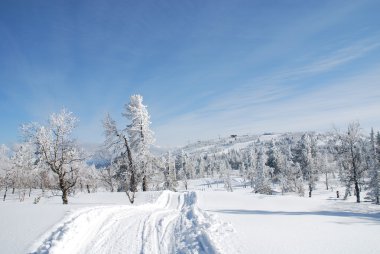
26	222
201	220
292	224
172	223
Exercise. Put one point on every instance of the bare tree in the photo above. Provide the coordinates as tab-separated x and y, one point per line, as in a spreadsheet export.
57	149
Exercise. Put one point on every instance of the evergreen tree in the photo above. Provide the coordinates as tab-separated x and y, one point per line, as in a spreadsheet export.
250	166
170	181
262	184
374	171
5	169
181	165
304	154
273	159
225	172
140	136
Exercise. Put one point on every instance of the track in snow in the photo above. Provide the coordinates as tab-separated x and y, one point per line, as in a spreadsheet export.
173	224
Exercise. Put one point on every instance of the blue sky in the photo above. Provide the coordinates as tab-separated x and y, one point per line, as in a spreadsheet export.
205	68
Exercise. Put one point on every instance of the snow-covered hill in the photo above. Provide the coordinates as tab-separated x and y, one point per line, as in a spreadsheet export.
235	142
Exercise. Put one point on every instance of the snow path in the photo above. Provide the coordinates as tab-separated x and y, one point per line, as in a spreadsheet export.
173	224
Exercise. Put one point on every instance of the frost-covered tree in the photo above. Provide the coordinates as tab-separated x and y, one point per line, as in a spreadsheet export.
262	181
225	172
170	181
200	167
349	151
325	167
57	148
373	170
273	157
304	154
285	172
298	179
122	159
250	166
107	175
25	168
5	170
140	136
88	177
181	165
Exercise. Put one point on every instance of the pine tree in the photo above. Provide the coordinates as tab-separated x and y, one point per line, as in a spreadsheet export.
200	168
262	184
374	170
170	181
225	172
181	165
324	166
5	169
251	163
304	154
273	159
298	179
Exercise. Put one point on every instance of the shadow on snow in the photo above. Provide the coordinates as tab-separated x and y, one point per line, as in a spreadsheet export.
375	217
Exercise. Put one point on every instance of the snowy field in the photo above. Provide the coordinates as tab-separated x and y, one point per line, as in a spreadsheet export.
206	219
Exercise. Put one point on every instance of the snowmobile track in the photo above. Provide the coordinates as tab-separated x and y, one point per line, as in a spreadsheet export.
173	224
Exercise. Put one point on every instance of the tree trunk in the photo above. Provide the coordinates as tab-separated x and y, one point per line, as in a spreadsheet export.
5	193
132	187
327	183
131	196
64	196
310	190
88	188
357	192
144	184
62	186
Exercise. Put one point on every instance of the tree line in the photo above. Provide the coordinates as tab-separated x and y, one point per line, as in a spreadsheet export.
50	159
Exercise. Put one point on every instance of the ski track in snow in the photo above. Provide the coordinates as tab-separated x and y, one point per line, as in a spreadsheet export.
173	224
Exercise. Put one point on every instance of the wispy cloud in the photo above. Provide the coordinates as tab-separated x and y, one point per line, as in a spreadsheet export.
269	105
333	60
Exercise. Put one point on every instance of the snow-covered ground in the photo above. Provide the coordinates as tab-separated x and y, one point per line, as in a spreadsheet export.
205	219
23	223
292	224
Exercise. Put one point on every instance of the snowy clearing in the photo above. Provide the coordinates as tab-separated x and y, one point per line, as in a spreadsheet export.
206	219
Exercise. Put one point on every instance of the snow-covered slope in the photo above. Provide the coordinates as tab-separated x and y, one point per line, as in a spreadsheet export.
235	142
